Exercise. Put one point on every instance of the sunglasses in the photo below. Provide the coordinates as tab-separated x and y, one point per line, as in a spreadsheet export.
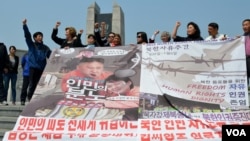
138	36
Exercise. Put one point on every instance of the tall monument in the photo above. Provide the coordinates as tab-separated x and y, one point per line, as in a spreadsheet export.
114	21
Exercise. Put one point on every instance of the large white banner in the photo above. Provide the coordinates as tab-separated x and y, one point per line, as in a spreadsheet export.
208	72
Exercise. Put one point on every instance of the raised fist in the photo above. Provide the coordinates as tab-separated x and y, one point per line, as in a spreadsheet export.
80	31
96	25
24	21
58	24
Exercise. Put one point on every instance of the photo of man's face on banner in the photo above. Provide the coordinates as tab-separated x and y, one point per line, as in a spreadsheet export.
95	84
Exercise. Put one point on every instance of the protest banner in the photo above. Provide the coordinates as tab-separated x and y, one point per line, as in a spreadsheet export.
79	83
198	81
182	129
208	72
44	128
161	91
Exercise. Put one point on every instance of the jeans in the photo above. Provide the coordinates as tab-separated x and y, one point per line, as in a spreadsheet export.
7	78
24	88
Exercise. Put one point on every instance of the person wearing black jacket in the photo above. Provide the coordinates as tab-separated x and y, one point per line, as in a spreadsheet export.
72	38
4	60
100	32
11	75
193	33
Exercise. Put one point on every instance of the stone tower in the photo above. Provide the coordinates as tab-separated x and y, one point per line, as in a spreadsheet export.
114	20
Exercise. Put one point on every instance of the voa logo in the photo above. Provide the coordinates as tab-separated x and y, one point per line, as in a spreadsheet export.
236	132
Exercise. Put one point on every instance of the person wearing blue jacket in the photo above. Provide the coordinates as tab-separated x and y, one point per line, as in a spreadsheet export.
26	67
38	53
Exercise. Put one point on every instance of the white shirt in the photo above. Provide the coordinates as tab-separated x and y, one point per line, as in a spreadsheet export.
217	37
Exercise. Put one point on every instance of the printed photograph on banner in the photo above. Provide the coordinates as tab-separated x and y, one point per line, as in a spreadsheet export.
207	72
154	106
81	83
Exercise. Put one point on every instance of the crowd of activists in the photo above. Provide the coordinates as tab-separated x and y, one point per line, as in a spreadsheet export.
34	62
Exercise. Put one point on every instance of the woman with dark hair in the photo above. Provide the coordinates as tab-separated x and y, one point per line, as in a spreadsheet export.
92	43
11	75
120	86
193	33
142	37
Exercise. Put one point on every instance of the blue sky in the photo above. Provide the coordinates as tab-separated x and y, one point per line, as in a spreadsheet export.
140	15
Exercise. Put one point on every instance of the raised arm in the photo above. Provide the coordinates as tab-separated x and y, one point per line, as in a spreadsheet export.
27	34
78	39
103	29
174	33
54	37
98	35
152	39
103	33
